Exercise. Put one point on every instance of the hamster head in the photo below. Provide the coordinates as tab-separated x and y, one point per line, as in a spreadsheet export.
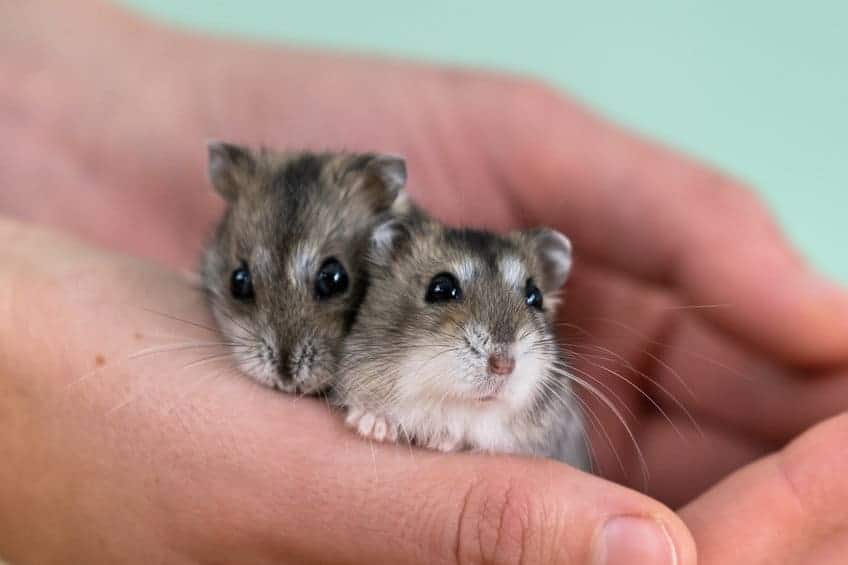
456	317
283	272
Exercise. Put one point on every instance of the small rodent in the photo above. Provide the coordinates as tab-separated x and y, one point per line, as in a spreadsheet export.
283	273
454	346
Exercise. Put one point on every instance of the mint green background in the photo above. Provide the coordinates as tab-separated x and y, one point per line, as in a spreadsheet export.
757	88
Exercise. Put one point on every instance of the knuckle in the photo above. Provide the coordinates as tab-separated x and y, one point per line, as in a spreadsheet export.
517	94
736	207
733	198
499	524
528	93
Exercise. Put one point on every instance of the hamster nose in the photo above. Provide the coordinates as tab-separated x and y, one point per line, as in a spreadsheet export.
303	356
501	363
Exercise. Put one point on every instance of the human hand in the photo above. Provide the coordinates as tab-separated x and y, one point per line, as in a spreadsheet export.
787	508
128	437
658	238
101	153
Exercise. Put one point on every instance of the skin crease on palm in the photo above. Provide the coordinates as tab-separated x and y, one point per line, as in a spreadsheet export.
679	273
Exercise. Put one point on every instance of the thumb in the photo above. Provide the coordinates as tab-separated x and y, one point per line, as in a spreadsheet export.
186	465
362	503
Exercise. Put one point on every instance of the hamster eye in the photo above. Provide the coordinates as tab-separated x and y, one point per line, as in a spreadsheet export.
443	287
241	283
331	280
532	295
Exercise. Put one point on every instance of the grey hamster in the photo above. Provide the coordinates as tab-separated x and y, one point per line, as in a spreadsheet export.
454	347
283	273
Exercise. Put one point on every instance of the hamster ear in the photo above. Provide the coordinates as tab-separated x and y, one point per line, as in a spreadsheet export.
387	238
554	252
230	167
377	178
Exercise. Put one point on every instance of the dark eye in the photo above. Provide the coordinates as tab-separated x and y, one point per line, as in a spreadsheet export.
331	280
241	283
443	287
533	296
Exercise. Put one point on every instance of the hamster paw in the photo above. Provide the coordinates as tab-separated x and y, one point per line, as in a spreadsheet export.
444	444
372	426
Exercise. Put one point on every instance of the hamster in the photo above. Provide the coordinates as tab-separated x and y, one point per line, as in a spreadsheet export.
454	348
283	272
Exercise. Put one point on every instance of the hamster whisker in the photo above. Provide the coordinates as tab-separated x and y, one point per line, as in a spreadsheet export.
550	386
581	411
714	362
656	343
572	353
326	397
565	367
644	395
664	364
205	360
143	353
662	388
654	382
181	320
609	404
247	331
195	363
581	330
297	395
649	340
183	347
598	426
699	306
252	362
402	347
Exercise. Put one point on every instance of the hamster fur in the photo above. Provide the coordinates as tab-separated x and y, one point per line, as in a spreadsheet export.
283	272
454	348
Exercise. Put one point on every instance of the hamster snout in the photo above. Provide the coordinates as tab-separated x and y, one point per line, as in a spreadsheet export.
482	360
312	364
277	357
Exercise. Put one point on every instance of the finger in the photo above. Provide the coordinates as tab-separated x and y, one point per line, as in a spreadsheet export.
806	497
627	335
390	504
230	468
637	207
683	466
747	393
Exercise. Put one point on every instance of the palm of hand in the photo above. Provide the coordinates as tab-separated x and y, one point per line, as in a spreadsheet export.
480	148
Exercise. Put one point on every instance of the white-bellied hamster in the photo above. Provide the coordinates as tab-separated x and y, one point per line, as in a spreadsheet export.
454	346
283	272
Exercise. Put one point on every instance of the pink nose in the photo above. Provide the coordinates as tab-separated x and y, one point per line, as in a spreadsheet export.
501	364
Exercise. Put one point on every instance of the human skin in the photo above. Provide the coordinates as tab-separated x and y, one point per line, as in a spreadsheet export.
122	454
674	262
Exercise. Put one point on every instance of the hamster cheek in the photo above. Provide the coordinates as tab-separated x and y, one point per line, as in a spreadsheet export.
527	379
428	376
252	358
317	372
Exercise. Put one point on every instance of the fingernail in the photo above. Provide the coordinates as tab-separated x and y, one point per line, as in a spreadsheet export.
627	540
